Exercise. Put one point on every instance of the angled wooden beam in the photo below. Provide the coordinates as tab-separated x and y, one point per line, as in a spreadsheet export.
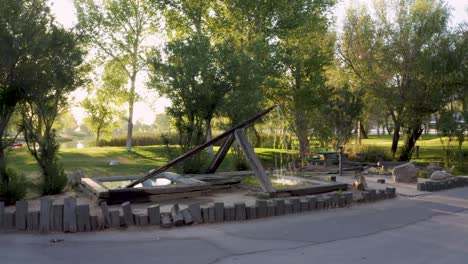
253	161
200	148
221	154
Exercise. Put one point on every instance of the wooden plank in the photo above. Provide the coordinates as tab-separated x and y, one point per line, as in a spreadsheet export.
69	215
33	221
115	199
83	218
57	217
221	154
154	214
127	214
199	148
21	214
46	214
176	188
96	188
253	161
105	214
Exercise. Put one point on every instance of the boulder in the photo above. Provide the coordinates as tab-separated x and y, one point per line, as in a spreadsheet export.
405	173
74	178
432	167
114	163
440	175
371	170
360	182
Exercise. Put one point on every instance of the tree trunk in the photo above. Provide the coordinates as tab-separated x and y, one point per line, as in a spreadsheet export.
131	101
98	133
410	141
378	129
363	132
302	135
387	126
3	176
209	136
395	139
358	133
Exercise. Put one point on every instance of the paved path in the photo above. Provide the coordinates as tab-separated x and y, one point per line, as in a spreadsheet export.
427	229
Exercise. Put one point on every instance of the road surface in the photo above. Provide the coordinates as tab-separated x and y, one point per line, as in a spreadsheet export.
428	229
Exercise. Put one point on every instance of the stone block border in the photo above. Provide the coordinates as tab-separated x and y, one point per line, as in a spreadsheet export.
70	217
434	186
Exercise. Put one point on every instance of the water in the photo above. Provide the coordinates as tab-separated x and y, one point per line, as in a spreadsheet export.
72	145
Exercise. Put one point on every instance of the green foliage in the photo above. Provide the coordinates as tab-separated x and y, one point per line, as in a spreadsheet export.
142	139
451	130
15	189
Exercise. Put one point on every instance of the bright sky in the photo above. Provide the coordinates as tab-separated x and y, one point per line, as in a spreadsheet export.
147	109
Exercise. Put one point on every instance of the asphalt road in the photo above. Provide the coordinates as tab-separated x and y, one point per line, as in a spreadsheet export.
429	229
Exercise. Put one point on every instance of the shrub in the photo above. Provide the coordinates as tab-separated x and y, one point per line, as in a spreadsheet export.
54	178
15	189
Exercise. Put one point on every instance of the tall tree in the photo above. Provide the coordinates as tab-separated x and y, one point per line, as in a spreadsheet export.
303	50
401	57
120	29
103	104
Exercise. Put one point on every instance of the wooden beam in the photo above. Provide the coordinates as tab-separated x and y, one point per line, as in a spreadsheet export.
223	150
199	148
253	161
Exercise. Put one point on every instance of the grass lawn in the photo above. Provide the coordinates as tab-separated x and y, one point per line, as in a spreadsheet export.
94	161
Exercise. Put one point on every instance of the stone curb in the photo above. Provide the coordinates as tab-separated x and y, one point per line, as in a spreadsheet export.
434	186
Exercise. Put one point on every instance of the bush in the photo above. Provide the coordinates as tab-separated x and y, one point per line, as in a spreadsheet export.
16	188
141	140
53	178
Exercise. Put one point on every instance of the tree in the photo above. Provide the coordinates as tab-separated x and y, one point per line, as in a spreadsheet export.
59	71
103	107
120	29
303	50
402	61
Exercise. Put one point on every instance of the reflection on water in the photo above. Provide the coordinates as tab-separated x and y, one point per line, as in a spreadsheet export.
79	145
72	145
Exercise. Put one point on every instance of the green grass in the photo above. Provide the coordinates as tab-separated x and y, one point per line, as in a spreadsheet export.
94	161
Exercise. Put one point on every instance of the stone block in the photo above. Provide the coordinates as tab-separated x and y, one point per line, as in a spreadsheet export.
45	215
229	213
94	222
406	173
140	219
219	212
33	221
382	181
166	220
69	215
240	211
288	207
21	214
2	215
348	197
320	203
296	204
271	209
381	195
304	205
105	214
188	219
57	217
211	214
421	186
261	208
312	202
195	212
154	214
372	195
127	214
9	220
341	201
205	214
251	212
327	202
280	206
115	219
83	218
429	186
177	217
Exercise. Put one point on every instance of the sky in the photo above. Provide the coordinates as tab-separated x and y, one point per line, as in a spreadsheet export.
146	110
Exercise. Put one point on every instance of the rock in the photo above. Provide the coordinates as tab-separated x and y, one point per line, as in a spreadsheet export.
74	179
440	175
432	167
406	173
371	170
113	163
360	182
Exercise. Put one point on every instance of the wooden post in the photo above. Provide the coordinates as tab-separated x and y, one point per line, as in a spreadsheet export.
69	215
45	215
341	154
253	161
223	150
21	213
